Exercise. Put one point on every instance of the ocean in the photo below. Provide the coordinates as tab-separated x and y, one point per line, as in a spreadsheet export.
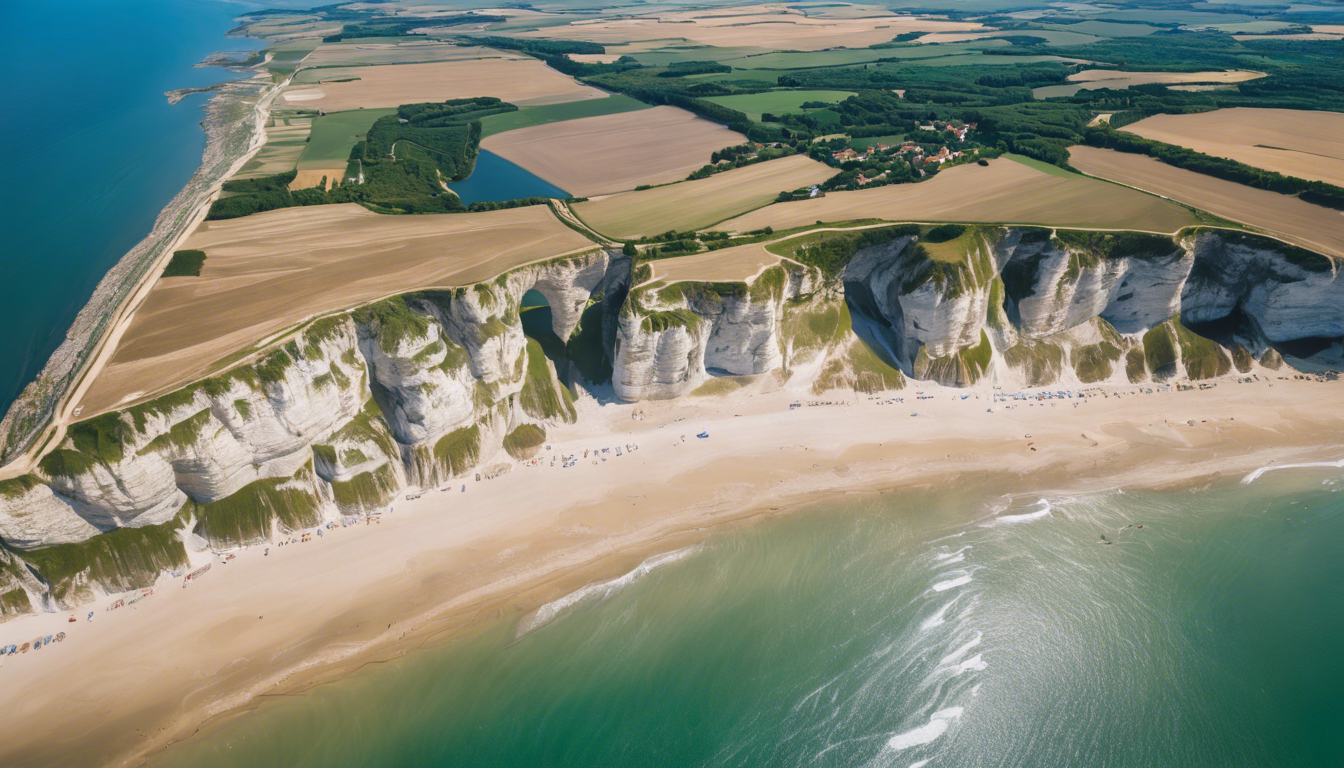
948	628
94	150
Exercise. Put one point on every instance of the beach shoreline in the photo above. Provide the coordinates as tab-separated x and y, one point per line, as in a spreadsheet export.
450	564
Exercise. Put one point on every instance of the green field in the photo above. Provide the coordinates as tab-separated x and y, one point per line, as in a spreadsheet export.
335	134
869	141
798	60
662	57
555	113
1043	167
1105	28
755	104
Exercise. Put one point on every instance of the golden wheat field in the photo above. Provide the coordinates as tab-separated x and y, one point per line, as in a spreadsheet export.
1090	79
736	264
521	81
1310	226
1005	192
772	26
1306	144
612	153
266	272
701	203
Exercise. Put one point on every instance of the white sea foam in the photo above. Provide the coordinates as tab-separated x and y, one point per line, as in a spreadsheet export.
956	655
959	555
1025	517
974	664
600	590
937	619
937	726
1252	477
919	764
943	586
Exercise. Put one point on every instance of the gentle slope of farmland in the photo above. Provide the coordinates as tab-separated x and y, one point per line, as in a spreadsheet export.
739	263
611	153
1311	226
264	273
1006	192
519	81
701	203
1308	145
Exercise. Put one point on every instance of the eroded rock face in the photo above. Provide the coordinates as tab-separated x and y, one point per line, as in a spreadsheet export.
673	338
422	389
1285	293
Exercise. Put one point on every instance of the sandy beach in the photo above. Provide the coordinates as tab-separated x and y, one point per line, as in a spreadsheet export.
142	677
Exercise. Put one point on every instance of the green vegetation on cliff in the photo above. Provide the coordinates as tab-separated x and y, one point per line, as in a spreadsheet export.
523	441
119	560
247	515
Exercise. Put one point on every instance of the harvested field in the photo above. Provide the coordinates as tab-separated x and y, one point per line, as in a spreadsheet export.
285	142
736	264
1310	226
701	203
522	81
610	153
368	51
1005	192
1091	79
1306	144
775	27
558	113
266	272
308	178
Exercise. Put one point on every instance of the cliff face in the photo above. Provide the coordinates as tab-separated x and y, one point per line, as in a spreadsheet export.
422	388
415	389
673	338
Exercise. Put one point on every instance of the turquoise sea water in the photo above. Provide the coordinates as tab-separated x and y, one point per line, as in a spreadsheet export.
495	178
910	630
93	150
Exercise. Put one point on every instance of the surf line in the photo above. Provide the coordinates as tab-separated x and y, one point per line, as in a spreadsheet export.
599	590
1255	475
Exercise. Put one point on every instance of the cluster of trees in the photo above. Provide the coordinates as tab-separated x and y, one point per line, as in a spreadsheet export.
1312	191
685	68
383	27
404	161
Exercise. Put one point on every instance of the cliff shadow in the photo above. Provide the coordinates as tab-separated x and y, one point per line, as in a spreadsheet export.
583	359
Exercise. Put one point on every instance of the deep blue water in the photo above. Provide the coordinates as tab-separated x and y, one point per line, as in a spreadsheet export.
93	150
498	179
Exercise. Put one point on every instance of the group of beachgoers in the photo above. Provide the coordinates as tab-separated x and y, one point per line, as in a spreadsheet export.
593	455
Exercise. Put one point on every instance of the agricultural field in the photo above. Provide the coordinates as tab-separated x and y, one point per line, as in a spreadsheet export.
702	203
736	264
367	51
610	153
1091	79
558	113
267	272
286	139
1310	226
521	81
334	135
772	27
1105	28
778	102
1005	192
1305	144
